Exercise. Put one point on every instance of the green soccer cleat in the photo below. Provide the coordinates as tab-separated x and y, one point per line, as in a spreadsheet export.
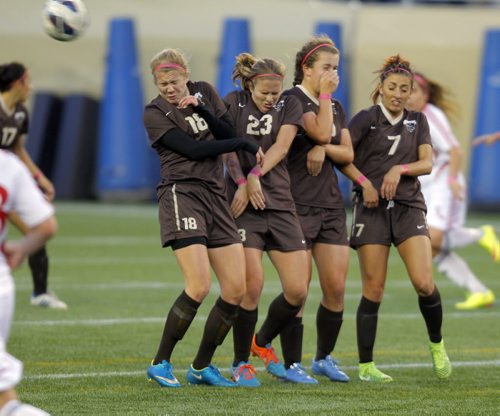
489	241
368	372
440	361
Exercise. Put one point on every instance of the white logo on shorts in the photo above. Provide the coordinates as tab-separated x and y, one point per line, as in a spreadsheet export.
420	226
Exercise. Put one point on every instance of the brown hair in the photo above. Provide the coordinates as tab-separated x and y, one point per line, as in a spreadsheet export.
309	54
10	73
393	65
439	96
248	67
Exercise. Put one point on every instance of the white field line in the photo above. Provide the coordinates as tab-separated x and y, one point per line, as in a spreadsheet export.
490	363
203	318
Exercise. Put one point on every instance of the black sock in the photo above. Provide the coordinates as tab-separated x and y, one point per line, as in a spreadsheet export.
279	314
328	324
432	311
179	318
366	328
243	330
219	322
39	265
291	341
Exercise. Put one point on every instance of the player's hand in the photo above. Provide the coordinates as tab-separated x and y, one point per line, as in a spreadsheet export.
487	139
187	101
370	195
240	201
315	159
390	183
254	191
328	82
457	190
260	157
13	254
47	187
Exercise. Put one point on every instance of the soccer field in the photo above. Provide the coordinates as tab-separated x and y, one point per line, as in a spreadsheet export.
107	264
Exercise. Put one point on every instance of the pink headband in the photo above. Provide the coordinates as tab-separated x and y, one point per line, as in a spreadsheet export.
312	51
169	65
267	75
394	69
422	82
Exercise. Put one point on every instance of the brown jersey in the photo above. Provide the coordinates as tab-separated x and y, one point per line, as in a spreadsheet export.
379	145
12	125
322	190
263	128
161	116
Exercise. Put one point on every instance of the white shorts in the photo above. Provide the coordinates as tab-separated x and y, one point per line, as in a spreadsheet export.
11	369
444	212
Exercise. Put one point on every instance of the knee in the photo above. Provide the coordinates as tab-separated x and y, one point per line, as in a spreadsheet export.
198	292
425	288
296	295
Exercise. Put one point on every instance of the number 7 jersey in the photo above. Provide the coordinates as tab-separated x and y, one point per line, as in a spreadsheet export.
381	142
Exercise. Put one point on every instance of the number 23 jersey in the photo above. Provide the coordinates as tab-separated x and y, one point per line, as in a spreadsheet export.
251	123
380	143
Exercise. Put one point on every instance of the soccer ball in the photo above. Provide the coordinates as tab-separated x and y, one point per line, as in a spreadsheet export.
64	19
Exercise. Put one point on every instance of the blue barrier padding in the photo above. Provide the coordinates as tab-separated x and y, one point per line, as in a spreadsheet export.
75	162
334	31
484	186
43	130
124	171
235	40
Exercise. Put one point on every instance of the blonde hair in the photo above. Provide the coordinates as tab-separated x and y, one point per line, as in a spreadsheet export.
309	53
393	65
248	67
169	56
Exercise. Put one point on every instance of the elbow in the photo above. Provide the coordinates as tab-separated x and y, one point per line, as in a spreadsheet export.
349	157
427	168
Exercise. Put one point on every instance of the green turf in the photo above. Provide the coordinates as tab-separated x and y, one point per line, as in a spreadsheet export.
106	262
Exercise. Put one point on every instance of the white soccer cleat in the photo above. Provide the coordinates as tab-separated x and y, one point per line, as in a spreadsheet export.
48	300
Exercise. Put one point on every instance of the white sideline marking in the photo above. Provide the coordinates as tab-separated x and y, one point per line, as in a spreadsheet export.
152	319
494	363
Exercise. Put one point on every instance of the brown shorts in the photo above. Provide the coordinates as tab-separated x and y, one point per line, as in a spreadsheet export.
323	225
191	210
385	225
271	230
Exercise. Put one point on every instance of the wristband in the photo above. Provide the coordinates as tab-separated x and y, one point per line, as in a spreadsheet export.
256	171
404	169
241	181
452	179
325	96
37	175
361	179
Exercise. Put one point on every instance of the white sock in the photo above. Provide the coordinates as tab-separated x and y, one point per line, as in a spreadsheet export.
457	270
461	237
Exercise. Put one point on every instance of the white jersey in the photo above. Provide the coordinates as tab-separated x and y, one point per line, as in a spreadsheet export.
19	193
443	140
444	212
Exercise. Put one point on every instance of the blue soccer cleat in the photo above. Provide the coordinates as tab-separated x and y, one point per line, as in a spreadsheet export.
163	374
297	374
245	375
329	367
209	375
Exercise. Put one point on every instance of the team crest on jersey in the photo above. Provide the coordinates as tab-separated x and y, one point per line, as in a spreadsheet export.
199	96
19	117
334	109
279	105
411	125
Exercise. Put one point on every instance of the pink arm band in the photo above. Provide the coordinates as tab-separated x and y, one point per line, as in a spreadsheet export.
404	169
325	96
361	179
37	175
241	181
452	179
256	171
